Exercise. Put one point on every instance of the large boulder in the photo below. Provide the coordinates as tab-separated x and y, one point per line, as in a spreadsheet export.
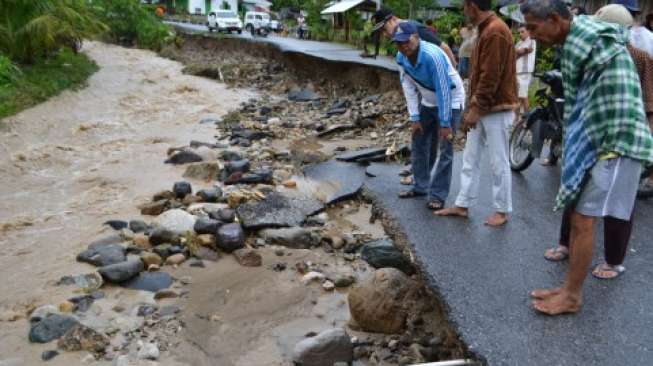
294	237
121	272
325	349
50	327
382	303
230	237
382	254
178	221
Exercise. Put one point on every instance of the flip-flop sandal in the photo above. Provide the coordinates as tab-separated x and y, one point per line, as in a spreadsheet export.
411	193
407	181
405	173
604	267
435	205
559	254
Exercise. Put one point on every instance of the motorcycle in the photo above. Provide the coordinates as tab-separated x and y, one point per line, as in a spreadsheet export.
542	124
259	31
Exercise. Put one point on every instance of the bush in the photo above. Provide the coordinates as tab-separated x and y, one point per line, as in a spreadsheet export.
8	71
130	23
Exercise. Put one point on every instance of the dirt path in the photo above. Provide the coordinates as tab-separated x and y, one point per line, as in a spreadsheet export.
84	157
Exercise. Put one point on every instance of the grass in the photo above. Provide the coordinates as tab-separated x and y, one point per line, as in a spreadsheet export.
46	78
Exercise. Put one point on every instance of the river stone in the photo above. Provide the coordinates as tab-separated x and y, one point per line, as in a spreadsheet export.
345	180
382	253
149	259
163	236
325	349
177	221
121	272
248	257
382	303
207	226
175	259
86	282
230	237
207	254
206	171
138	226
238	166
294	237
211	195
102	255
83	338
224	214
51	327
302	95
116	224
154	208
149	351
181	189
277	210
149	281
184	157
109	239
48	355
228	155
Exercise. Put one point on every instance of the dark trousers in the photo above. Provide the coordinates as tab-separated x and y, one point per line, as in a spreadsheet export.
616	235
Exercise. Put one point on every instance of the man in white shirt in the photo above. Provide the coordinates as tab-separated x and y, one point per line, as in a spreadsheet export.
525	49
640	37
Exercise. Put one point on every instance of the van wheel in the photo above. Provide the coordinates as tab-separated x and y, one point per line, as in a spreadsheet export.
240	31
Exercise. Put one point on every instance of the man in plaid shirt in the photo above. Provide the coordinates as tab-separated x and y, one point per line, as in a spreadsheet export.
607	139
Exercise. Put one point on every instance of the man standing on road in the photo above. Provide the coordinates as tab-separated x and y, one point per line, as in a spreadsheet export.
606	139
493	99
426	78
525	49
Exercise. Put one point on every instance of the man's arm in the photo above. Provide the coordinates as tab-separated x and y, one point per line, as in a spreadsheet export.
490	69
412	95
442	83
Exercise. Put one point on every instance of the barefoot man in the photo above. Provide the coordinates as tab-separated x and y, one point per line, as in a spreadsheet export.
493	99
607	139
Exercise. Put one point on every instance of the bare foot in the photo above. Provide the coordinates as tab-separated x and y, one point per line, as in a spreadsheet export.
497	219
453	211
561	303
542	294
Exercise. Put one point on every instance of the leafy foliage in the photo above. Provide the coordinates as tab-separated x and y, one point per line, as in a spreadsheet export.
8	71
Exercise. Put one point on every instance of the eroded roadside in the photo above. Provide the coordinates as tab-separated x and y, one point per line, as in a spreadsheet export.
218	309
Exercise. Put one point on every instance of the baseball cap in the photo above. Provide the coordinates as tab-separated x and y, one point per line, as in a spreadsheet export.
632	5
615	13
403	31
381	17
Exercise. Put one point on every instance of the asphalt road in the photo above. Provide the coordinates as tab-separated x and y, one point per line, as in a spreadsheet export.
484	276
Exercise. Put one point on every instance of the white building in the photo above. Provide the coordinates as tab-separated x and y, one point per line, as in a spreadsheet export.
207	6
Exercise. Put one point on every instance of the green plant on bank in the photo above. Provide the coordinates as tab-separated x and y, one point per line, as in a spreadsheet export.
130	23
8	71
32	29
42	80
448	25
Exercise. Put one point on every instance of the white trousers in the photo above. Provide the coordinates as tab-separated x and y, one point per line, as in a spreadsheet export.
491	132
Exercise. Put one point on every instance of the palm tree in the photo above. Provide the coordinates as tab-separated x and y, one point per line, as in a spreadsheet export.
31	29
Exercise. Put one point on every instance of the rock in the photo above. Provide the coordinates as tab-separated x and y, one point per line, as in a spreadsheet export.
150	259
225	215
196	144
163	195
328	286
48	355
256	177
163	236
42	312
382	302
147	309
154	208
290	184
149	281
197	263
228	155
166	294
122	360
51	327
142	241
86	282
149	351
121	272
116	224
181	189
66	307
206	153
176	259
83	338
235	199
248	257
294	237
346	179
344	281
279	267
169	310
337	242
205	171
207	226
325	349
177	221
238	166
102	255
303	95
382	253
277	210
206	240
336	128
82	303
126	234
206	254
138	226
274	121
189	200
184	157
230	237
210	195
312	277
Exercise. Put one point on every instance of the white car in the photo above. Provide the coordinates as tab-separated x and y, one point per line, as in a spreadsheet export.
224	21
257	20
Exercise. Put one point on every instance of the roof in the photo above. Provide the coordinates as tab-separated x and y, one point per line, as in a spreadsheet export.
342	6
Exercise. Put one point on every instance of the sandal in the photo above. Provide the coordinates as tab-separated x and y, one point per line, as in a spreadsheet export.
435	205
605	271
405	173
407	181
557	254
411	193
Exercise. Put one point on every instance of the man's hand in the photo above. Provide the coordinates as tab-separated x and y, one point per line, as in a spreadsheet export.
446	133
470	120
416	128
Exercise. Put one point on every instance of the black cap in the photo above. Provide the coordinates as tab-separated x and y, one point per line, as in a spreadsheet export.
381	17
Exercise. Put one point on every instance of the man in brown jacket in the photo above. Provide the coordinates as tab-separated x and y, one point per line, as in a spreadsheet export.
489	117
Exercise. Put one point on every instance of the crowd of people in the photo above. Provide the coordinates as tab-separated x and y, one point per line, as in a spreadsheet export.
606	62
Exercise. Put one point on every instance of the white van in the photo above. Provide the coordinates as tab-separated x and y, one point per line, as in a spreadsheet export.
257	20
224	21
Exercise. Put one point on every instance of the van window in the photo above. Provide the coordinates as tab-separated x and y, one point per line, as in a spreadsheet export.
258	17
226	15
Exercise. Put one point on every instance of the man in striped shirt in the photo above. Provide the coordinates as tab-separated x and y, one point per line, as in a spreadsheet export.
435	96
